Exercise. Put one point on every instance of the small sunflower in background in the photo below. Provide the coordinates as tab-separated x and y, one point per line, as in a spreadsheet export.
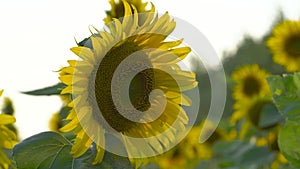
251	92
250	82
189	152
8	138
89	81
117	9
285	45
271	140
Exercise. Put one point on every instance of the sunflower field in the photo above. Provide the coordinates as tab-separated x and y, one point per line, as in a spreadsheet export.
139	94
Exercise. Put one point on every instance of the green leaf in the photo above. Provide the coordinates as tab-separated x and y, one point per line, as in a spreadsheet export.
112	161
47	150
242	154
269	116
47	91
257	156
289	142
50	150
286	94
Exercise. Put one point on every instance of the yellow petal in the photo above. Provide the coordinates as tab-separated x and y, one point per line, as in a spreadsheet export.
181	52
84	53
6	119
183	100
70	126
99	157
81	145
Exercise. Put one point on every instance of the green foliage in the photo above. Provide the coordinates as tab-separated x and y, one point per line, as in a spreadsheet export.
50	150
242	155
47	91
269	116
286	95
289	142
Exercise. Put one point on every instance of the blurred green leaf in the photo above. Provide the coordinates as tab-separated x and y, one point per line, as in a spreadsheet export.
257	156
269	116
47	91
286	95
242	154
289	142
50	150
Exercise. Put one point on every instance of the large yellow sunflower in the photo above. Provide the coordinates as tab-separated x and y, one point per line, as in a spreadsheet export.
285	45
8	138
251	92
146	118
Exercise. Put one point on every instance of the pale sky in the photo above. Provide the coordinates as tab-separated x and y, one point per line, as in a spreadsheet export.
36	36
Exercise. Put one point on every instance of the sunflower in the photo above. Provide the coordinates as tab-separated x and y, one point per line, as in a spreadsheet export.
117	9
285	45
8	138
250	82
271	140
146	118
190	152
251	92
187	154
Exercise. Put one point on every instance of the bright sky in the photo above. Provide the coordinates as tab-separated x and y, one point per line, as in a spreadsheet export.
36	37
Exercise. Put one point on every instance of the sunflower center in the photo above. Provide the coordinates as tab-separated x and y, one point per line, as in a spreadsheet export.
251	86
292	46
140	89
111	98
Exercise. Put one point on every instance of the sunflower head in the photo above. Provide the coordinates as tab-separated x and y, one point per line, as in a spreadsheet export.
128	85
251	92
250	82
285	45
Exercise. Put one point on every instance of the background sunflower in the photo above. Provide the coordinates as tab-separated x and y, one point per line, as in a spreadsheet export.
251	92
285	44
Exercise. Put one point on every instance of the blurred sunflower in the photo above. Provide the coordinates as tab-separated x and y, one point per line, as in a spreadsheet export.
190	152
250	83
270	140
186	154
285	45
8	138
90	83
251	92
117	9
